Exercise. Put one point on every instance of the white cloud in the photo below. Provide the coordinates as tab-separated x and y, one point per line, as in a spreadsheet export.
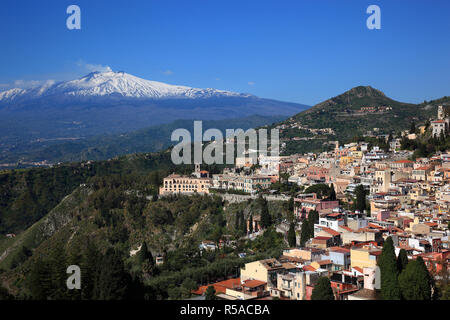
168	72
24	84
93	67
251	83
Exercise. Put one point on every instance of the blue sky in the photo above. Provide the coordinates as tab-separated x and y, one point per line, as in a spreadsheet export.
299	51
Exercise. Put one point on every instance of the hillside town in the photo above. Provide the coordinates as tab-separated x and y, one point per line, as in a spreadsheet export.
372	195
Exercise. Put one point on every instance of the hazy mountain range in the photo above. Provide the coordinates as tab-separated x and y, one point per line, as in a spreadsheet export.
108	103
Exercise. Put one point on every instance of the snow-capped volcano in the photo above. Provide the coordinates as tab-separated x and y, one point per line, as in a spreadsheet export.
112	102
112	84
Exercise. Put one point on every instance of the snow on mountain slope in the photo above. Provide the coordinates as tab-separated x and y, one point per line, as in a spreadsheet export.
117	84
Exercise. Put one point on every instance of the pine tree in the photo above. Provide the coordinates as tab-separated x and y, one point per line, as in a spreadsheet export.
402	260
291	235
387	262
322	290
90	271
414	281
113	281
58	264
39	281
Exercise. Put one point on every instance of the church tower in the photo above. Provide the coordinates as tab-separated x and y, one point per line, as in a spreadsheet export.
440	113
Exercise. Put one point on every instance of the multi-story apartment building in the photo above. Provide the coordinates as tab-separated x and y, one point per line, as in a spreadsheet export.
175	183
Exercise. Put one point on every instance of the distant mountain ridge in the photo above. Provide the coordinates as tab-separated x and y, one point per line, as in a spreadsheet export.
105	103
104	147
111	84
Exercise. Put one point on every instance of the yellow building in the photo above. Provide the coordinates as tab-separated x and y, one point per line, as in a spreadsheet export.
357	154
264	270
345	160
184	184
364	257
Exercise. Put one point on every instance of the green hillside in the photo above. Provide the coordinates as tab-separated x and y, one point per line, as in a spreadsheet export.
359	111
151	139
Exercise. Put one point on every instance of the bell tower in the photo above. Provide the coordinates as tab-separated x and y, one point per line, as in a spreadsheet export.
440	114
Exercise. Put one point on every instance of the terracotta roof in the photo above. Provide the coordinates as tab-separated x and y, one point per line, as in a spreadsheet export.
360	270
339	249
346	228
324	262
253	283
321	238
309	268
330	231
220	287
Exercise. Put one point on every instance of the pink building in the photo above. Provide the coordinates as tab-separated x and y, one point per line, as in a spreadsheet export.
308	202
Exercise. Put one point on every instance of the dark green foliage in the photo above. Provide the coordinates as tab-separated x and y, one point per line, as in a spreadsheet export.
270	241
291	204
39	281
22	255
266	219
243	226
360	201
304	233
307	230
250	224
402	260
387	262
5	295
415	280
291	235
144	255
210	293
113	281
322	290
322	190
332	193
412	128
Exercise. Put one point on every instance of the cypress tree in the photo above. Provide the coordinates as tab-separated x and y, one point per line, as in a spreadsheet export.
304	233
415	281
402	260
387	262
250	224
332	193
360	202
266	220
322	290
243	224
237	222
291	235
291	204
